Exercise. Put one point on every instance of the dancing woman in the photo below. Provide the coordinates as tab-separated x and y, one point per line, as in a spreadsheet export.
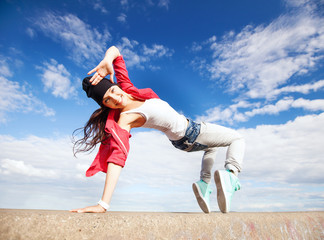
123	107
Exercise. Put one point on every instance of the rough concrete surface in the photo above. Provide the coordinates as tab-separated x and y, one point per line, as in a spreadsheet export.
44	224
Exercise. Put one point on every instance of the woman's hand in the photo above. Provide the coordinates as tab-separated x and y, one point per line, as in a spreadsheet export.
105	67
112	176
92	209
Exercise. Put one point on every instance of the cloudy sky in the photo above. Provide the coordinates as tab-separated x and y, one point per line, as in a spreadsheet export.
255	66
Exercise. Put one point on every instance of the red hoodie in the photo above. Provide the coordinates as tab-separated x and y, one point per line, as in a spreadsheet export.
115	149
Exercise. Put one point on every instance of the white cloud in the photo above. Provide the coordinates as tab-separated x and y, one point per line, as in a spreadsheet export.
122	18
305	88
258	60
217	114
31	32
146	164
264	197
86	44
281	105
144	5
14	98
4	68
8	167
124	3
196	47
126	47
98	5
297	3
42	173
282	163
232	113
46	158
287	103
83	42
157	51
287	153
312	105
56	78
139	55
164	3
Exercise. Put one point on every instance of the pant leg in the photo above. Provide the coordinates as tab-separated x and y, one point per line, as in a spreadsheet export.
207	163
214	136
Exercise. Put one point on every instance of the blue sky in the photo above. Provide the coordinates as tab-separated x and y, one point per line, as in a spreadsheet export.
255	66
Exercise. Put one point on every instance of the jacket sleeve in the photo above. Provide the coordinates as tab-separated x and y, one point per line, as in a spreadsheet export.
114	150
121	73
125	83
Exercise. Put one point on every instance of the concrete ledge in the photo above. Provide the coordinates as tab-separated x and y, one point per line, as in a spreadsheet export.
43	224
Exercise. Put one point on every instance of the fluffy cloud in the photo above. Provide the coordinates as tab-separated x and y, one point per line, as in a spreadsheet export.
4	68
145	4
282	170
157	51
99	6
287	103
124	2
42	173
284	150
56	78
235	112
282	163
164	3
14	98
122	18
30	32
139	55
9	166
260	59
304	88
264	64
80	39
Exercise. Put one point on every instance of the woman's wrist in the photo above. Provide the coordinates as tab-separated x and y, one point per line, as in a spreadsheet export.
111	54
103	204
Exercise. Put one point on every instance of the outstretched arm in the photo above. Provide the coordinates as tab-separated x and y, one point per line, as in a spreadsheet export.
105	67
112	176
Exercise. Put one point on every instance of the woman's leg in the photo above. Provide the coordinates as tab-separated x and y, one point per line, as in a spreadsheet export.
207	164
215	136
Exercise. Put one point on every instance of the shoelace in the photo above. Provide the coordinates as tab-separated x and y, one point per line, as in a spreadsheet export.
237	183
208	190
237	186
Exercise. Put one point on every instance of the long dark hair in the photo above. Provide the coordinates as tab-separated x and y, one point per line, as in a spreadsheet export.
93	132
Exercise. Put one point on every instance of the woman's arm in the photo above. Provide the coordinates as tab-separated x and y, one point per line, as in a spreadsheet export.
105	67
112	176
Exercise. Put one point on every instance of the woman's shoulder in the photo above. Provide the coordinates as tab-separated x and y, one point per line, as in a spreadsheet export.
129	121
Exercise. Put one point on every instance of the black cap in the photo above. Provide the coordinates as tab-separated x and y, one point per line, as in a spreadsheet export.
96	92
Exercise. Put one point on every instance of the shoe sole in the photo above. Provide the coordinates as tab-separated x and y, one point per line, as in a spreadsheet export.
201	202
221	199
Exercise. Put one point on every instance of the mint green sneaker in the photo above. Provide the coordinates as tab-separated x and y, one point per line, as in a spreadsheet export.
202	191
226	183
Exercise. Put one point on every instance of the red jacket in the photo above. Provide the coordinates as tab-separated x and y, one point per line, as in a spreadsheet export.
116	148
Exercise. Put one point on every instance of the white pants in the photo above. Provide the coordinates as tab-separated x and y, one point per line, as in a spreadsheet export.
215	136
